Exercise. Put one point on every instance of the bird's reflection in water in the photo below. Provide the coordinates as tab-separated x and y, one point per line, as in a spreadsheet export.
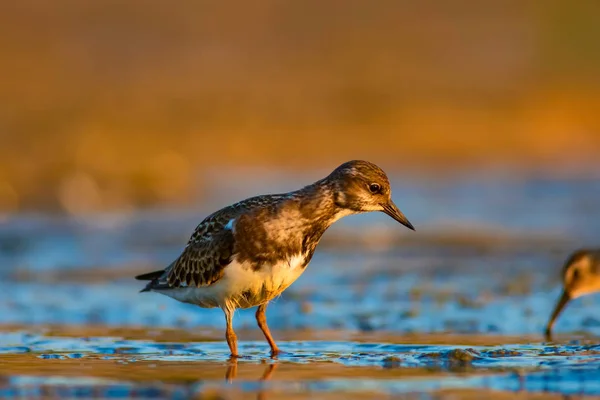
231	374
232	368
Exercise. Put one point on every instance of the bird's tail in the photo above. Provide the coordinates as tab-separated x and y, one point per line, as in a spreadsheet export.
150	276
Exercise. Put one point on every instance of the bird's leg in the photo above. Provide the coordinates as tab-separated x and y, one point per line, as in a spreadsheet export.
230	334
261	319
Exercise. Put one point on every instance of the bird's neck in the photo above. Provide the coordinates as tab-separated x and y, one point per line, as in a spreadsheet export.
317	203
293	226
303	217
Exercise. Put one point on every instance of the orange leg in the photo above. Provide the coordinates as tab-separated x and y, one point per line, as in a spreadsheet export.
230	334
261	319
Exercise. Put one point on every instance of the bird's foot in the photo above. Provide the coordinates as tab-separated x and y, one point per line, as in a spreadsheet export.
276	352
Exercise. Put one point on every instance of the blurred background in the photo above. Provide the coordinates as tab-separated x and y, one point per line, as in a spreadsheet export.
116	105
124	123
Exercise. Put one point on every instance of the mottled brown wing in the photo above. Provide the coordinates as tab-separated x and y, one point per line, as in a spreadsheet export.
203	261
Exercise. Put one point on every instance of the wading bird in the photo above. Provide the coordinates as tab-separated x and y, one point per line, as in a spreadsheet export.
248	253
581	276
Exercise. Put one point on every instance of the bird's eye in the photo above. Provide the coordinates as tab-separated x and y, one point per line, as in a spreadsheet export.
375	187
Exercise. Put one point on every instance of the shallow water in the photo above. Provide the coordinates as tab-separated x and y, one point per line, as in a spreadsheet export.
481	275
115	367
34	364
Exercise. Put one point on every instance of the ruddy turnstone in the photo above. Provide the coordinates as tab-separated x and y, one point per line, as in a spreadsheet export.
248	253
581	276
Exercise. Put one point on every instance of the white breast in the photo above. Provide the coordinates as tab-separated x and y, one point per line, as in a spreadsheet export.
242	287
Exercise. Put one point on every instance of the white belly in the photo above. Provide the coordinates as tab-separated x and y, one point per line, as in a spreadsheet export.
242	287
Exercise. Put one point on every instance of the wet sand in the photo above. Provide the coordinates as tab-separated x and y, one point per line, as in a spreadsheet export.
180	362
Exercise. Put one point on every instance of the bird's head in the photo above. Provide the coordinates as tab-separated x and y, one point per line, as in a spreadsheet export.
361	186
581	276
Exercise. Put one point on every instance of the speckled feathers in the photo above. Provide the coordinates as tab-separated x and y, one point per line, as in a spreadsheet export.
265	230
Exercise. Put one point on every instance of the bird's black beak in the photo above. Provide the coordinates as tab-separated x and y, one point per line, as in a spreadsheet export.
391	210
562	302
